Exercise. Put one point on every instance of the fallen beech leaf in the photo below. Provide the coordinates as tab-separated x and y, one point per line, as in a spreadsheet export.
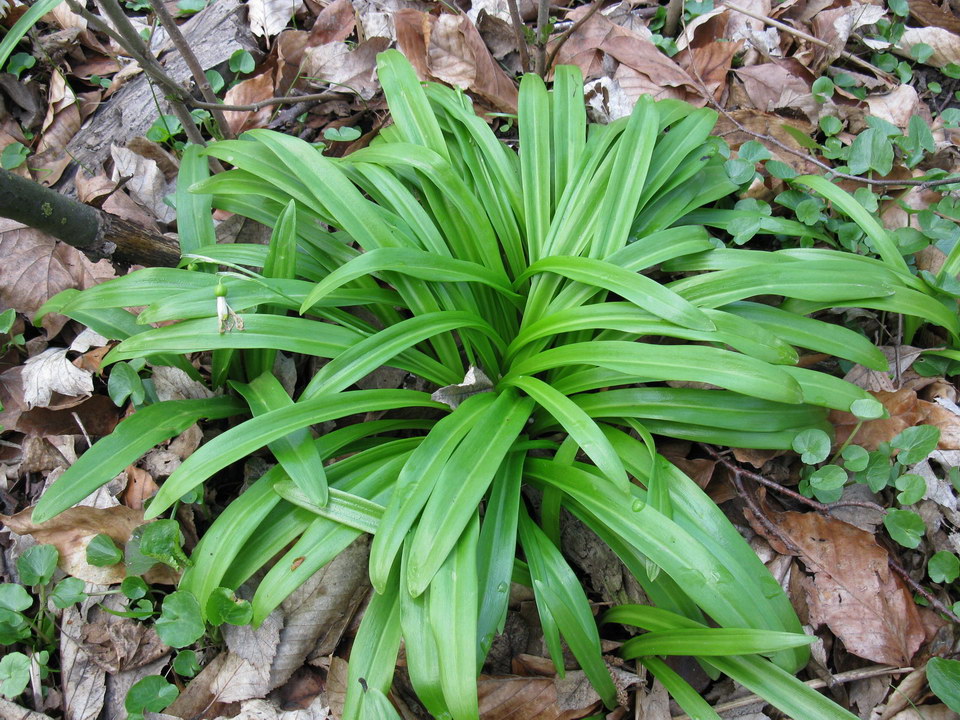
945	44
779	84
140	488
353	68
710	64
36	267
252	90
903	408
73	529
51	372
853	590
834	27
118	644
945	417
81	679
268	17
899	360
145	182
536	698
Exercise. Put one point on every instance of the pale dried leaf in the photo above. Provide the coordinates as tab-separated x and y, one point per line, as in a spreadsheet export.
119	684
81	679
268	17
72	530
896	107
51	372
348	68
17	712
246	671
835	25
607	100
899	360
926	712
318	612
474	383
118	644
145	181
854	592
945	44
775	85
174	384
88	338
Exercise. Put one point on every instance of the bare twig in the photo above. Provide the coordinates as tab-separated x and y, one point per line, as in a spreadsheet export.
920	590
126	36
670	22
196	69
739	471
811	39
559	42
253	107
844	677
517	22
543	20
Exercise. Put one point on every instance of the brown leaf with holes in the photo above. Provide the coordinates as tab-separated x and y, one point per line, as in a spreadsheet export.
72	530
36	267
853	590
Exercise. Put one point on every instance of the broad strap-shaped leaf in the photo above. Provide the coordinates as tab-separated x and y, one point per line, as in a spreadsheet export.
534	113
133	437
462	484
243	439
416	263
706	642
408	104
417	481
644	292
577	424
676	362
296	452
194	210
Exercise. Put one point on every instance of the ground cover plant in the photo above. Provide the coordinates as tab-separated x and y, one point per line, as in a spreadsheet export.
565	303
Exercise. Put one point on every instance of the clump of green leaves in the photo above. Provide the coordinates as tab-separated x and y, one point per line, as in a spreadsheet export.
552	298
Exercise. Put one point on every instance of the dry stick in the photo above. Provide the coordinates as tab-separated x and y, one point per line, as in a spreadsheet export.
521	41
133	43
917	588
674	11
543	19
809	38
594	6
845	677
253	107
196	69
739	471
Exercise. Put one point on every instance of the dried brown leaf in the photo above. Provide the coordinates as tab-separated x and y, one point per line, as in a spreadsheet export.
709	64
268	17
334	23
252	90
834	26
903	408
51	372
778	84
897	106
854	592
36	267
73	529
81	679
348	68
945	44
119	644
144	181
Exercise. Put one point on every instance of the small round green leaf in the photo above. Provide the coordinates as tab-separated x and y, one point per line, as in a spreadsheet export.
944	678
912	487
163	541
867	409
241	62
812	445
103	552
36	564
67	592
224	607
125	382
180	621
943	567
855	458
14	597
151	694
827	483
916	443
905	527
14	674
830	125
133	587
342	134
185	663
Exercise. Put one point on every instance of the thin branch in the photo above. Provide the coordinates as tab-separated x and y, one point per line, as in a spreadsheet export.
674	11
128	38
773	485
543	19
253	107
920	590
844	677
809	38
559	42
517	22
196	69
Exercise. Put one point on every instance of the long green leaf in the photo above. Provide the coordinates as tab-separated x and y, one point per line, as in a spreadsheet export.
133	437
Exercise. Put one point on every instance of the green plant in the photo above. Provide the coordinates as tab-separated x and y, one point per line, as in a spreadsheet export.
548	294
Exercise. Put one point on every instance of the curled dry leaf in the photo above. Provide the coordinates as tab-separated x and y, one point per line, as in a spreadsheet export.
51	372
780	84
145	181
902	407
945	44
853	590
347	68
35	268
72	530
268	17
834	26
898	106
119	644
252	90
